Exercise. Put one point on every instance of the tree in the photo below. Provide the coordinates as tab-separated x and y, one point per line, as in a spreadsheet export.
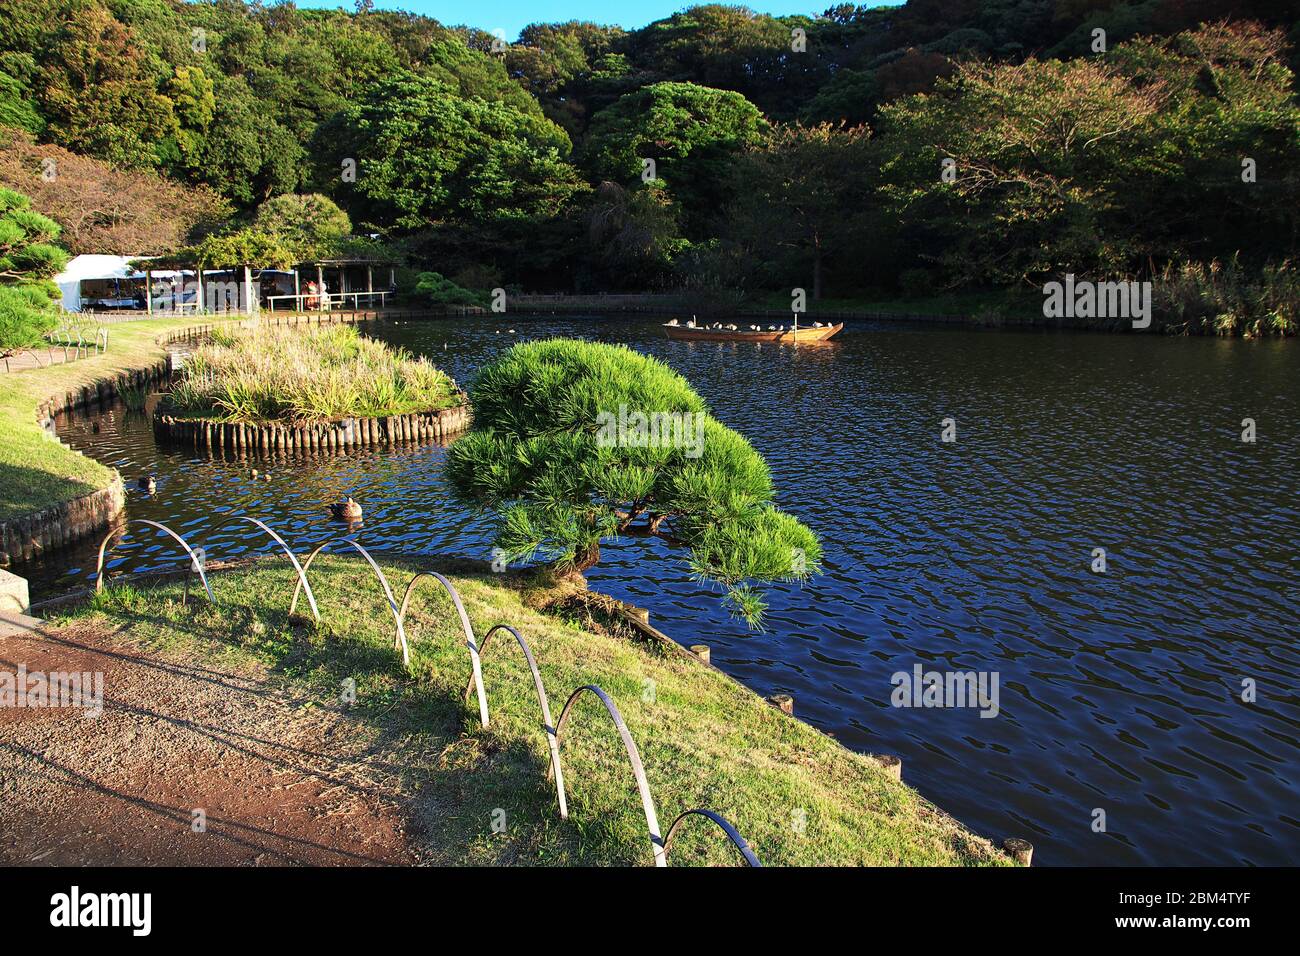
28	261
102	209
443	291
425	154
311	225
1013	169
574	443
806	194
1099	167
691	133
632	235
96	92
246	155
251	247
16	107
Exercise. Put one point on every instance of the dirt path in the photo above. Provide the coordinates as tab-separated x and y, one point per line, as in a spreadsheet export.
279	783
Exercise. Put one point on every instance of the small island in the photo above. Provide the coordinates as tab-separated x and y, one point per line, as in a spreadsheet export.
319	388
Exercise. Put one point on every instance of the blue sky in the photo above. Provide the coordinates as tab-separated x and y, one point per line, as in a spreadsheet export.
513	15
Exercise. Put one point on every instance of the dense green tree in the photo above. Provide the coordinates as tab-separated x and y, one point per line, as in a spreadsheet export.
1013	168
691	133
1090	165
803	199
246	155
310	225
96	93
16	106
29	259
426	154
559	456
240	247
440	290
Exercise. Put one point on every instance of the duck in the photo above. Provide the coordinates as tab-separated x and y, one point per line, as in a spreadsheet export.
148	483
672	322
346	510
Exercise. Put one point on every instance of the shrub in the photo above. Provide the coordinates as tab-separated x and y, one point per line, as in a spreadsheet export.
1219	298
547	457
28	261
442	291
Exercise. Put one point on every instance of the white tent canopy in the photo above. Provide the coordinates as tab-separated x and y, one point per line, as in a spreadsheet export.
81	268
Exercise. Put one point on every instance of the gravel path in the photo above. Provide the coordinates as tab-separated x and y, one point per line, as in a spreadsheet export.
279	782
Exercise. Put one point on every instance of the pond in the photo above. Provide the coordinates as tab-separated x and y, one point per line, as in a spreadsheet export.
1118	692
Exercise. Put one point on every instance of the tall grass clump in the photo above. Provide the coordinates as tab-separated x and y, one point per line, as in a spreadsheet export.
305	375
1222	298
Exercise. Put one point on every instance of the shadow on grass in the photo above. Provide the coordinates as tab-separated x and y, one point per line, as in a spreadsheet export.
479	795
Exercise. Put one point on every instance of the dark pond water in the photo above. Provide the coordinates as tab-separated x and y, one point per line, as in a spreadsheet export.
1118	692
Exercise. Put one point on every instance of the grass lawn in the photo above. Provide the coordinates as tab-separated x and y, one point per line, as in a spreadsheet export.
36	472
795	794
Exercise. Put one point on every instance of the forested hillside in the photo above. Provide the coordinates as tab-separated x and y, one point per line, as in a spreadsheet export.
939	145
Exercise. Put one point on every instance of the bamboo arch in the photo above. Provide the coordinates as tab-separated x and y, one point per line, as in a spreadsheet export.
388	591
302	576
547	725
660	845
465	626
633	756
121	529
737	840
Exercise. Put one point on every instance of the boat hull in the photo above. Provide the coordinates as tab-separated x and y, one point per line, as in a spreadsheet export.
803	336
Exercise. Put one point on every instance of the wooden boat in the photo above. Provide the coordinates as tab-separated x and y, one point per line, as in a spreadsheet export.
804	335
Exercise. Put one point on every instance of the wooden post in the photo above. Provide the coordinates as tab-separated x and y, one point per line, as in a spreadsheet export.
297	292
320	287
1022	851
701	651
892	765
200	304
148	290
248	290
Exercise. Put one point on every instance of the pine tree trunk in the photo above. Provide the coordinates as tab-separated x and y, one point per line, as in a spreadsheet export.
588	558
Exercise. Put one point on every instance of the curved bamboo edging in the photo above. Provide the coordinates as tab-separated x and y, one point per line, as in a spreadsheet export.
121	529
475	680
633	756
737	840
465	625
660	845
388	592
302	575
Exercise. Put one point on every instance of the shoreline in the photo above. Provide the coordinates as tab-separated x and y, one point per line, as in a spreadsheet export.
651	654
77	495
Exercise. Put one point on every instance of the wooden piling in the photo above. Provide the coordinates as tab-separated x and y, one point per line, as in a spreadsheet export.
1022	851
782	702
891	764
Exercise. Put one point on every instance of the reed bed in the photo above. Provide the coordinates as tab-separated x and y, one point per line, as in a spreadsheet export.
298	376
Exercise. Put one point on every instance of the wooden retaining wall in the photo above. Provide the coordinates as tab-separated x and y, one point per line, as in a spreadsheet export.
31	535
322	436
